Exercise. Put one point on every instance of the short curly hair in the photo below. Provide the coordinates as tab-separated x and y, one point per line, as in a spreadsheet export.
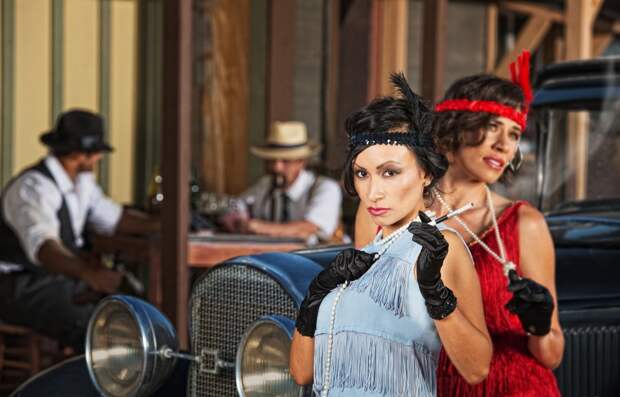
454	129
390	114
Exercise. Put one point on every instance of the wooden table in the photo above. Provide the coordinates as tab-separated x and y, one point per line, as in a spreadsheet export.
204	251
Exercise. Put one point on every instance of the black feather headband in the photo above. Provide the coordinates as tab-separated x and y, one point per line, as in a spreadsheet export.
420	123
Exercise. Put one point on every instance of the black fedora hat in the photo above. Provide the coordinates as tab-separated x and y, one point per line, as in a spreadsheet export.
77	131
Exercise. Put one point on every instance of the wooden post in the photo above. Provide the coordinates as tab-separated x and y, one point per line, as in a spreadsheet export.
332	68
388	52
491	40
434	48
281	60
176	133
578	30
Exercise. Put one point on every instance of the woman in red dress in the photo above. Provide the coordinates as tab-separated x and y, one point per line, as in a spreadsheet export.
479	125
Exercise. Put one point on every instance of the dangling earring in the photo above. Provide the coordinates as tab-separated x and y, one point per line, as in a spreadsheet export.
517	160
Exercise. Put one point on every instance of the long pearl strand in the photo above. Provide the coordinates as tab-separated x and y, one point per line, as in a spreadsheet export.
501	258
385	243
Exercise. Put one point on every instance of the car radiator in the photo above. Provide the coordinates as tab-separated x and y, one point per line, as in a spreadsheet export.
591	363
224	302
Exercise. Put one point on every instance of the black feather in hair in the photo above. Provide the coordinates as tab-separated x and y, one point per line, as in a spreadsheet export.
422	116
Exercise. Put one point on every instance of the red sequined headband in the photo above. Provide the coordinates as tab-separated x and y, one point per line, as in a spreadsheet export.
520	73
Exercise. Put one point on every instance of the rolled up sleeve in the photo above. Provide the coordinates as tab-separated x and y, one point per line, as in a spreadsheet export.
30	207
324	208
104	213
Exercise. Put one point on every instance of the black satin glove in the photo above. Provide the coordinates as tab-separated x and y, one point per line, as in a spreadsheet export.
439	299
533	304
349	265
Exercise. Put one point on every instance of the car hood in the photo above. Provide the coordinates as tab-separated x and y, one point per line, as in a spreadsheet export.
593	224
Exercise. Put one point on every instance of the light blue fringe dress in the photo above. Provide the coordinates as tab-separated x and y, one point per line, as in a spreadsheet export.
384	342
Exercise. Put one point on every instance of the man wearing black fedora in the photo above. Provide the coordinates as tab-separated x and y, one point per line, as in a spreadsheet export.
44	212
291	201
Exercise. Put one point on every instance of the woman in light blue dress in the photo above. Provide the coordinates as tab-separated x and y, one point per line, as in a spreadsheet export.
373	321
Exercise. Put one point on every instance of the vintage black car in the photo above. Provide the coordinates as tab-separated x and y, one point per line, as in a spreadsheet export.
242	310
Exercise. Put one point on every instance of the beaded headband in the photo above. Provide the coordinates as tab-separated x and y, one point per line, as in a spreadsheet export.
520	75
420	120
364	139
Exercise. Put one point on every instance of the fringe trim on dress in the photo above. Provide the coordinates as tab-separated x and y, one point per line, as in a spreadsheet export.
374	364
386	284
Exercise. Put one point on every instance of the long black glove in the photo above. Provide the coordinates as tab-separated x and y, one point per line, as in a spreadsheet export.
349	265
532	302
439	299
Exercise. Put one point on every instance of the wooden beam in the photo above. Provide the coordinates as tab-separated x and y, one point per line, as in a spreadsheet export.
600	42
176	133
578	33
281	60
331	128
522	7
434	48
596	8
388	52
528	38
393	42
492	13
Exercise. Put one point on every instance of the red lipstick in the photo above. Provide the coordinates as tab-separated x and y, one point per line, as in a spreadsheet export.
494	162
377	211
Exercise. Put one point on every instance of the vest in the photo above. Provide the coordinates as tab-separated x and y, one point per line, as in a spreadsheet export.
11	250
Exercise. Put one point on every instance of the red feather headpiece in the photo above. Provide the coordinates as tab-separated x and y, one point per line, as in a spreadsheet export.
520	73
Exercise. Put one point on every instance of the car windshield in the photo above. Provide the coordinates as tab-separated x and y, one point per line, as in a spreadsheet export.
571	156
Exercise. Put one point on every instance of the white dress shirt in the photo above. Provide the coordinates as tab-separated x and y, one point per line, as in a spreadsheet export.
32	201
316	203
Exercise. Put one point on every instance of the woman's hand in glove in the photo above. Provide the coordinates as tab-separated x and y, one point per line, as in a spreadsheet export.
533	304
434	250
439	299
349	265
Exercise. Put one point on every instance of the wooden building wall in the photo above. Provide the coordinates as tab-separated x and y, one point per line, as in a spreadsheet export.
62	54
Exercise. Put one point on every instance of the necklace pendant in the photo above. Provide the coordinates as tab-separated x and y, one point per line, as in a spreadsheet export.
508	266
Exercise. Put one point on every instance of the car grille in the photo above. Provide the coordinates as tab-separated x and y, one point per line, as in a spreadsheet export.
223	304
591	362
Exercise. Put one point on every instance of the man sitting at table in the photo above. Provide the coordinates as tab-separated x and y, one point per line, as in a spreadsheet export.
45	274
290	201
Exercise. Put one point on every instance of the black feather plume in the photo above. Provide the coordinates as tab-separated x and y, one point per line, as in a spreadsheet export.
422	116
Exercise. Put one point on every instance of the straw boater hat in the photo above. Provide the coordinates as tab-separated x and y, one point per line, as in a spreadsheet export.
287	140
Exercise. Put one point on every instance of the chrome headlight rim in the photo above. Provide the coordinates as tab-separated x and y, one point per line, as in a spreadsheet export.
285	324
144	340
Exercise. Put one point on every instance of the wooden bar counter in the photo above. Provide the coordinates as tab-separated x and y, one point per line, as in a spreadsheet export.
204	251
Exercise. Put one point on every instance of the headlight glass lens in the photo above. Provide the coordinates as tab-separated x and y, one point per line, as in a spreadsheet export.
116	350
265	361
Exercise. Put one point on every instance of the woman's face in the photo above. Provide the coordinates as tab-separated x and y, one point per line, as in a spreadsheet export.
390	184
487	161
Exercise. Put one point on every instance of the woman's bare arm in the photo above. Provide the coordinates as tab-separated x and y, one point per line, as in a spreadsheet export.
302	359
537	262
463	333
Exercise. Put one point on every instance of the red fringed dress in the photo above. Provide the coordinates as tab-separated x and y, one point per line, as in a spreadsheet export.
514	371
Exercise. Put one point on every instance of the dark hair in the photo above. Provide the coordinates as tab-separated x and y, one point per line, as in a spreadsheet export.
390	114
454	129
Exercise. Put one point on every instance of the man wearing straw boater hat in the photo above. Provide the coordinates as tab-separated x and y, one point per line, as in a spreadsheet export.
291	201
45	275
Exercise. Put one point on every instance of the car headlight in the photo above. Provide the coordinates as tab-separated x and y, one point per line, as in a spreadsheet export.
124	342
262	367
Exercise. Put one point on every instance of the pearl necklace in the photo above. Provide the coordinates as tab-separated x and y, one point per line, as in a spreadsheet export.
385	243
501	258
